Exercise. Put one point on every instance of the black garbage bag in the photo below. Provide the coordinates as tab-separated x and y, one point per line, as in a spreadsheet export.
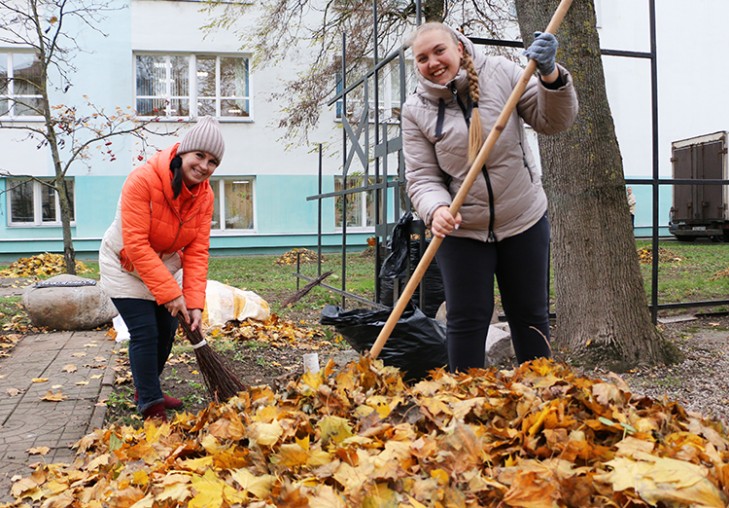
395	264
416	345
395	270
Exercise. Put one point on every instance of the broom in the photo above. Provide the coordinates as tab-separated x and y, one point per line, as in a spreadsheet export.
460	196
219	380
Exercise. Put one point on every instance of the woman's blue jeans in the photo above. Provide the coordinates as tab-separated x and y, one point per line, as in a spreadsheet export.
151	334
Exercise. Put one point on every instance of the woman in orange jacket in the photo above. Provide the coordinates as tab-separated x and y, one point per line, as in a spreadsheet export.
154	257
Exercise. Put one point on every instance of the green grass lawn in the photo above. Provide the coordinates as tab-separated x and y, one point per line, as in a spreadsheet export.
688	272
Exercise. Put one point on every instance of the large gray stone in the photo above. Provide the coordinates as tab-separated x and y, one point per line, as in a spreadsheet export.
499	349
68	302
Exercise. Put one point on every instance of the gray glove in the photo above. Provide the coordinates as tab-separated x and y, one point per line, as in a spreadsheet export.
543	51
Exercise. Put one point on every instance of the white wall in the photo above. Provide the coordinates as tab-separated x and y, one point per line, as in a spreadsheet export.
256	147
690	38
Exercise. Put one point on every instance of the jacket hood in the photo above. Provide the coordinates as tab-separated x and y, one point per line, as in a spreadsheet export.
434	91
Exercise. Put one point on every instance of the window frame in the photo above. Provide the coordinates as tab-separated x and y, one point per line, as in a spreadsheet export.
218	185
365	198
38	188
192	92
389	99
10	96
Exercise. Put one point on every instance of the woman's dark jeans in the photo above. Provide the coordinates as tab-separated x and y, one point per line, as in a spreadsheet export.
151	334
521	267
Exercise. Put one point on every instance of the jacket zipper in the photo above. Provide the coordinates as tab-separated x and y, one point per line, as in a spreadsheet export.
180	217
466	115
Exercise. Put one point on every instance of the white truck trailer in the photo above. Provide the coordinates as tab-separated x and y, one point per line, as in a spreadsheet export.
700	210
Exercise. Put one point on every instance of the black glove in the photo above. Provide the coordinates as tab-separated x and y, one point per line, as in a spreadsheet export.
543	51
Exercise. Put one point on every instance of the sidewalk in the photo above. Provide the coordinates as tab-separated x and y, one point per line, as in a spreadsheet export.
78	368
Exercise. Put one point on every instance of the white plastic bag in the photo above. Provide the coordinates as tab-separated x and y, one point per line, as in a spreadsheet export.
122	333
225	303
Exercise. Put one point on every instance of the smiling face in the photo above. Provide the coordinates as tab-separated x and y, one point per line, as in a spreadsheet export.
437	55
197	167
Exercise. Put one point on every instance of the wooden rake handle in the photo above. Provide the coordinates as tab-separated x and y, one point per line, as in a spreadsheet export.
460	197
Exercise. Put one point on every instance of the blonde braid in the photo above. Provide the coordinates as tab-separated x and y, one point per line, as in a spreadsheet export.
475	131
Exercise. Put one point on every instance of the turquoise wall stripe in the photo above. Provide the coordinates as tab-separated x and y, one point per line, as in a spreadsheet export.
284	218
281	205
96	202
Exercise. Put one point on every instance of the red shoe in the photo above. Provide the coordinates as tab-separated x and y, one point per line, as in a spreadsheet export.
156	412
170	402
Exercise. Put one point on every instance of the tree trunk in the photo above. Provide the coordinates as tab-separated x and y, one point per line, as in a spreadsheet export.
601	306
69	254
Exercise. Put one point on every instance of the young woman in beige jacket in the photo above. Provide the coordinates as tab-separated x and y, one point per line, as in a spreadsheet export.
501	229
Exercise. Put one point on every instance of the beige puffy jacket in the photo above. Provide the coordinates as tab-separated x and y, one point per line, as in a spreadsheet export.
436	158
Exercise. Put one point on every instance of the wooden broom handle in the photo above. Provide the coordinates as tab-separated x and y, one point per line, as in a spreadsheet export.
460	197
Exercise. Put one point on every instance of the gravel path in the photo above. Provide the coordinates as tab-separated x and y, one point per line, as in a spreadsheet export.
700	383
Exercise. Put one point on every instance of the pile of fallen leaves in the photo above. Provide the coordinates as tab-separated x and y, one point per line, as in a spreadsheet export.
275	331
304	256
537	436
40	265
645	256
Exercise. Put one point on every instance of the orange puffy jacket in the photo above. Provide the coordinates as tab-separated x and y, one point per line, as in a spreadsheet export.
154	224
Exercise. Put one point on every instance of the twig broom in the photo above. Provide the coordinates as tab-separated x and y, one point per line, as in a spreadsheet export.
460	197
219	380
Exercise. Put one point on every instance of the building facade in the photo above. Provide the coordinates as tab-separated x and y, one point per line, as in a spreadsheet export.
153	57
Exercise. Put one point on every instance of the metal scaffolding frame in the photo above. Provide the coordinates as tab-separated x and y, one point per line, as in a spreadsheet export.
384	145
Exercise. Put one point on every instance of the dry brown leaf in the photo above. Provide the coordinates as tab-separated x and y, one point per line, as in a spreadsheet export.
38	450
52	396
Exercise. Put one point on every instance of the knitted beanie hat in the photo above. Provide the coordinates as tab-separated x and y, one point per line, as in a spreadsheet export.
205	136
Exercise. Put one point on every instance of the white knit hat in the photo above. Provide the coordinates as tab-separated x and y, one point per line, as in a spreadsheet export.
205	136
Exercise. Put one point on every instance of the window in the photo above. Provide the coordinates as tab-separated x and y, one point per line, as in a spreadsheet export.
20	85
233	203
389	93
360	205
192	85
36	203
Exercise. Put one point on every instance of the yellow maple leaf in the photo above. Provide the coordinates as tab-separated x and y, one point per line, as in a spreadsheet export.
140	478
39	380
663	480
207	491
198	465
291	455
265	434
258	486
334	428
178	492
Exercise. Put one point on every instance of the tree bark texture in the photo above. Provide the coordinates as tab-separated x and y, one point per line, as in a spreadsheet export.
601	306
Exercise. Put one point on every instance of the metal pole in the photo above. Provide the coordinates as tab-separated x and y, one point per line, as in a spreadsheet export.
319	210
344	169
654	185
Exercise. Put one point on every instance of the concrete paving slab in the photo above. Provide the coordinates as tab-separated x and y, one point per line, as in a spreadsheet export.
28	421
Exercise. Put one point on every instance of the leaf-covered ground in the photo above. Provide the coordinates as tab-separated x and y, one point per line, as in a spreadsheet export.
355	434
536	436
